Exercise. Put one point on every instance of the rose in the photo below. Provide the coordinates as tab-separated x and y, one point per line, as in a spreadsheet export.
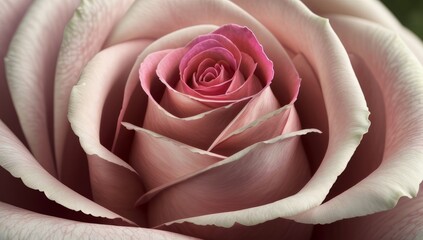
386	69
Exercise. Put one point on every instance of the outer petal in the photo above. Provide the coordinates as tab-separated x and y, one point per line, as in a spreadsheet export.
11	13
30	68
404	222
399	75
109	174
372	10
16	159
83	37
17	223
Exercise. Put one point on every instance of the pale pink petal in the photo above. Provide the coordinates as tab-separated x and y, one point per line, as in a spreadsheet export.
303	31
199	130
109	174
271	230
266	127
134	99
19	162
134	26
160	160
312	111
252	178
372	10
83	38
18	223
30	65
398	74
402	222
260	105
11	13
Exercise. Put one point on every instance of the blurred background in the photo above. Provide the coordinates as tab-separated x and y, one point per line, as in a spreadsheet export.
409	12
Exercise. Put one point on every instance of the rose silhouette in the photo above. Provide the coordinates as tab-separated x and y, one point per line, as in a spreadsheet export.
180	119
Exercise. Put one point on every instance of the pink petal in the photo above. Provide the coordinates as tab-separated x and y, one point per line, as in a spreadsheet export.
374	11
271	230
11	13
262	104
402	222
20	223
30	69
258	175
160	160
399	74
134	26
109	174
312	111
199	130
291	21
83	38
134	100
269	126
19	162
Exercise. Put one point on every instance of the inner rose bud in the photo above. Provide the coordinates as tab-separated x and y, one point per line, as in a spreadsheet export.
211	112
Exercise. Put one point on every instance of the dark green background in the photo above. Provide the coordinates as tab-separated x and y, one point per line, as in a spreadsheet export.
409	12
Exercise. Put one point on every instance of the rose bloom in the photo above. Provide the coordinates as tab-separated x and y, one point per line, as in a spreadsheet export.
209	119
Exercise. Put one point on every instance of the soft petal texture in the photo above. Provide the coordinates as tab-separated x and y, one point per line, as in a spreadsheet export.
134	99
219	12
84	36
236	182
17	223
11	13
30	68
404	222
399	75
344	100
312	112
16	159
109	174
372	10
160	160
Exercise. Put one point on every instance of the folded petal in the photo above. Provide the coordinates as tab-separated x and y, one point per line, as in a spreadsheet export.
402	222
11	13
109	174
398	74
199	130
83	38
134	99
160	160
23	224
252	178
134	26
374	11
30	65
17	160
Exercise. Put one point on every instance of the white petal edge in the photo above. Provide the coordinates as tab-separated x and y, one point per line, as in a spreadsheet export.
400	76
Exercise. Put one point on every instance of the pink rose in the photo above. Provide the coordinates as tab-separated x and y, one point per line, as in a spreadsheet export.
209	119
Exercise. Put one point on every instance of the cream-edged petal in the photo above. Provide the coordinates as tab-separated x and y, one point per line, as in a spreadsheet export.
402	222
134	100
11	13
17	160
18	223
30	64
372	10
160	160
252	179
218	12
399	75
84	36
108	173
